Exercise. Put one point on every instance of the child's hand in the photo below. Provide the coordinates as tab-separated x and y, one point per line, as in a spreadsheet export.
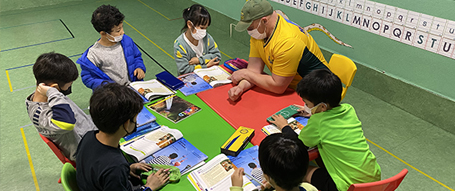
194	61
42	89
135	167
279	121
213	62
302	111
157	179
265	185
237	177
139	73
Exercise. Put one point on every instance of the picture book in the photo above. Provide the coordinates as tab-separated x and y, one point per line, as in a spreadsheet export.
193	84
151	89
215	175
215	76
248	160
296	123
143	129
145	145
286	112
144	117
174	108
181	154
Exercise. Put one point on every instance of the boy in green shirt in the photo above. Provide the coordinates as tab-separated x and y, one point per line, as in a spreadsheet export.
337	132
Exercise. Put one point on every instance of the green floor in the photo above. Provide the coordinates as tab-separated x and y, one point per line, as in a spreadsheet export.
400	139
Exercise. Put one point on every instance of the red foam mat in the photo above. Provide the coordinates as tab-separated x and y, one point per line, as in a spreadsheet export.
252	109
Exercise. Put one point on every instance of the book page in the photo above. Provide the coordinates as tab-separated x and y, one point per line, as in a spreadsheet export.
151	142
213	75
174	108
151	88
292	122
216	175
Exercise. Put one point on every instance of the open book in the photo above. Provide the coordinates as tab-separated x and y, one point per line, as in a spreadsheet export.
193	84
215	76
296	123
164	146
248	159
151	89
174	108
216	175
181	154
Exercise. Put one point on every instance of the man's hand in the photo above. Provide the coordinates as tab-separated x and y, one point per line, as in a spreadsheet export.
237	177
279	121
238	76
213	62
194	61
157	179
139	73
235	93
135	167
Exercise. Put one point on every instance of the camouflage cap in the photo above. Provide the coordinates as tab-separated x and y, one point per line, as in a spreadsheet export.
252	10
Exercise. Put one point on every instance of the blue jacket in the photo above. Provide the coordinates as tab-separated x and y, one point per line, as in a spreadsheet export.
92	76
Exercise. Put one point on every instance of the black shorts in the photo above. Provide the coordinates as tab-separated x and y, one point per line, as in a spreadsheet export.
322	180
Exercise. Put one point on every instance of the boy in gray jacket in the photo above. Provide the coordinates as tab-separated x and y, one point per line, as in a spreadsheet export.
53	114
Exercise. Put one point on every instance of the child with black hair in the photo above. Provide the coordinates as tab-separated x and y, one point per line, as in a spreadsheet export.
195	48
114	57
100	162
337	132
54	115
284	162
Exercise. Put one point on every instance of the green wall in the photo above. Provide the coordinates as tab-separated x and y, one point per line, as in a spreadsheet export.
421	68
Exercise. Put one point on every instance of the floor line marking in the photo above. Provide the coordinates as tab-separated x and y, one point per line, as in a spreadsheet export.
28	24
388	152
225	54
36	44
168	20
148	39
30	160
32	64
154	10
9	81
24	88
26	125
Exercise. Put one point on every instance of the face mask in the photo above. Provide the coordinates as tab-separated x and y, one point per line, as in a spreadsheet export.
200	33
134	130
67	91
255	33
310	110
116	38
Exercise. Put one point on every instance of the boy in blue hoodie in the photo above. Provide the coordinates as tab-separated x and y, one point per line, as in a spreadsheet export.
114	57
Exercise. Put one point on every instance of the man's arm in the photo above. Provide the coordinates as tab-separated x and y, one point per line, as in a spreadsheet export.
255	65
273	83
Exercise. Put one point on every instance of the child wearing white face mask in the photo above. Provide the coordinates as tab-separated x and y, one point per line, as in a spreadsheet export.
195	48
337	132
114	57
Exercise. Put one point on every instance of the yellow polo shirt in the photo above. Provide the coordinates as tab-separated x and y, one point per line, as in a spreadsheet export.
289	51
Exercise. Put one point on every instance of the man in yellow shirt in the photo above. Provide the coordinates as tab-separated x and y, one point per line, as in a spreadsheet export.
289	52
